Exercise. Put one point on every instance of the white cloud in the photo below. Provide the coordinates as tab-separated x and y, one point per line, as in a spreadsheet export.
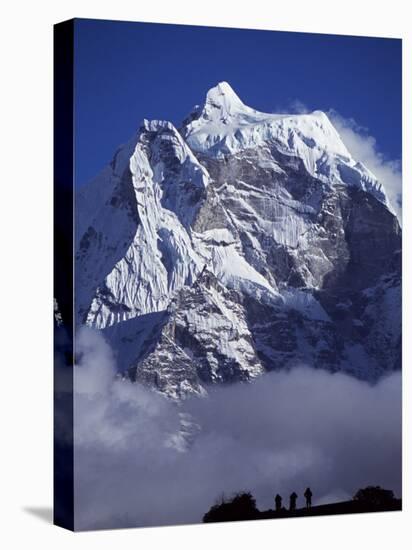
295	106
281	433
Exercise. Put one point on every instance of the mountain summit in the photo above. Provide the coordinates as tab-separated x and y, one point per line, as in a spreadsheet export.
241	243
225	126
223	98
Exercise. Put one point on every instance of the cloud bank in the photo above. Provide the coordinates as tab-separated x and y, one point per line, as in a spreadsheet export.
141	460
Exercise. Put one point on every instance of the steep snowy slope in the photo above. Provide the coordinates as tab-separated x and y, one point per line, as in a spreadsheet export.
165	184
241	243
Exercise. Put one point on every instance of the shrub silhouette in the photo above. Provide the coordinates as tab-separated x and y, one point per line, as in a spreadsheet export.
241	507
374	496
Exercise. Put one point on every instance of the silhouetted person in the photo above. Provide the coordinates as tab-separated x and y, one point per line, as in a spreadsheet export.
308	495
278	503
292	501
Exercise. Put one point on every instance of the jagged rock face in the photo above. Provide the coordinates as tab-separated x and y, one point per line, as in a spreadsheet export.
186	355
244	243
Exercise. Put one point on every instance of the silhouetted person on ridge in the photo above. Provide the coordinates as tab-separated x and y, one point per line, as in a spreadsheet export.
278	503
308	495
292	501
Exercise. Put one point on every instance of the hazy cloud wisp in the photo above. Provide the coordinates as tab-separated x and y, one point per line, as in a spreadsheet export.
363	148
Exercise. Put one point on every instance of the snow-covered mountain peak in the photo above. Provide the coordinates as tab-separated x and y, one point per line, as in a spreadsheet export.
263	233
222	101
225	126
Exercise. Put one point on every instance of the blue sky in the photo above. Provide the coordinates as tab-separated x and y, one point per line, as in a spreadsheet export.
125	72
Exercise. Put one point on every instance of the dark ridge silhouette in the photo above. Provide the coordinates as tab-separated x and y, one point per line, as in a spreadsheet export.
242	506
375	496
